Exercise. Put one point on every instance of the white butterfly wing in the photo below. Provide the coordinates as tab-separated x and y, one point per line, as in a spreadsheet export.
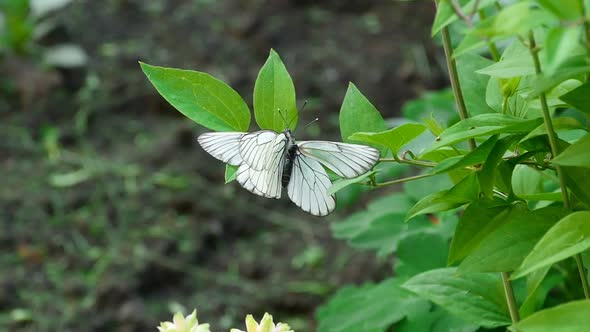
308	186
224	146
346	160
263	154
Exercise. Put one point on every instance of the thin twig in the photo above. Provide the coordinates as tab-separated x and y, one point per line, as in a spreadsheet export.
410	178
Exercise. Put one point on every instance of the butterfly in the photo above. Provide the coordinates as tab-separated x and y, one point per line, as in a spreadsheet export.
269	161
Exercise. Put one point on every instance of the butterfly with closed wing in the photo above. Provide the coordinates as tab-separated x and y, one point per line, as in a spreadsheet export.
269	161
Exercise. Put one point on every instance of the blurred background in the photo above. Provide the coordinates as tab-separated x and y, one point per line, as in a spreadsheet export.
112	217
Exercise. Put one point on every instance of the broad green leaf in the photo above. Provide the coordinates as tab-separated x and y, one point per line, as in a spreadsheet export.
420	252
577	154
539	283
357	114
473	86
381	226
559	124
274	96
230	173
438	104
478	220
528	183
573	68
490	168
563	9
394	138
519	19
476	297
369	307
569	317
463	192
569	236
559	45
200	97
437	320
477	156
579	98
505	247
343	183
520	64
484	125
577	181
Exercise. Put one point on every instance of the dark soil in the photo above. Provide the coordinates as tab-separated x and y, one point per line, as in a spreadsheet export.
112	217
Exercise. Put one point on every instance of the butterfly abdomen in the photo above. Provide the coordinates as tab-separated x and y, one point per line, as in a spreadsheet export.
288	165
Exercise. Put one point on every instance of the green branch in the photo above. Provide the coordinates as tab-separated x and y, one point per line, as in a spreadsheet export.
555	151
510	300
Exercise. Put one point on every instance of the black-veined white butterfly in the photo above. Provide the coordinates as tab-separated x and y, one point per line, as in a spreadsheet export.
269	161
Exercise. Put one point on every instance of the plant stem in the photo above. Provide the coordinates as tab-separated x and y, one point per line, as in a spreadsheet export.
555	152
491	45
586	31
409	161
583	277
510	298
410	178
454	77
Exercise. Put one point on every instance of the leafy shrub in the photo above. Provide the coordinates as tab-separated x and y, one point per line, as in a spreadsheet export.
502	202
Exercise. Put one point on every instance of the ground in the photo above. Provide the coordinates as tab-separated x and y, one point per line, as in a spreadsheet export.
112	217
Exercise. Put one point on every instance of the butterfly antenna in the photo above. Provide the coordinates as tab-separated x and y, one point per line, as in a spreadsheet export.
295	115
311	122
283	117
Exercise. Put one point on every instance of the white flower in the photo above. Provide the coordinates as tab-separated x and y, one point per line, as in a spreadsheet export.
184	324
266	325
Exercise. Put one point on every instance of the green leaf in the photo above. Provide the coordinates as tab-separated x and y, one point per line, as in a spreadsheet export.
436	320
420	252
200	97
357	114
230	173
369	307
473	86
579	98
560	123
569	317
381	226
462	193
445	14
559	45
563	9
538	286
505	247
438	104
575	66
576	179
569	236
343	183
476	297
479	219
484	125
477	156
577	154
528	183
487	175
519	19
274	96
520	64
394	138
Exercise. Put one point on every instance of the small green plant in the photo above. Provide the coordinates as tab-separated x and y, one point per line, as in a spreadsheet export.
499	214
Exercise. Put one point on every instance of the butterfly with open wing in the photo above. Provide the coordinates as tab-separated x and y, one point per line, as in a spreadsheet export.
269	161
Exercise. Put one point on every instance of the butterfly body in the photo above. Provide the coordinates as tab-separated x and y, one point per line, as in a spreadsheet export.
289	158
269	162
